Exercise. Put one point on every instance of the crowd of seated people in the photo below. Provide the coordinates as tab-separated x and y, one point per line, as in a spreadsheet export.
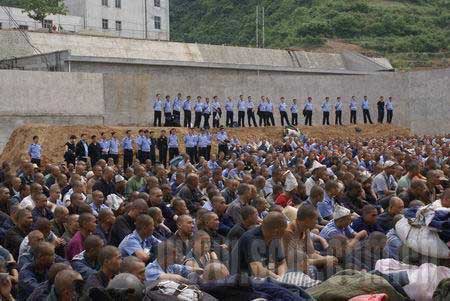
258	220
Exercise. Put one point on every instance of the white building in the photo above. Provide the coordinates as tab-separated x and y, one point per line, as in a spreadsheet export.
142	19
11	17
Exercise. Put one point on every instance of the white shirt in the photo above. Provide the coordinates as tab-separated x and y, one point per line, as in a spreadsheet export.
27	203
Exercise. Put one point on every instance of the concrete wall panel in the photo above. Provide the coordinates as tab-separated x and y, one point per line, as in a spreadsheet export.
27	92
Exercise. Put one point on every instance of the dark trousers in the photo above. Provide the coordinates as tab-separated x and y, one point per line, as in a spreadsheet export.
177	117
270	119
390	113
229	119
352	116
36	161
206	123
115	158
173	152
294	117
163	156
187	119
157	118
241	119
308	118
284	117
208	152
167	118
326	118
380	116
127	158
261	118
152	154
198	119
139	156
223	148
145	156
192	153
216	121
338	119
366	116
251	118
203	152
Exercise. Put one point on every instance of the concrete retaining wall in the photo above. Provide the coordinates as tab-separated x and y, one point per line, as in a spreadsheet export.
50	98
124	94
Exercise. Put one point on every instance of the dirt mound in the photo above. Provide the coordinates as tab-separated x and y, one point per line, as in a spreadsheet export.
53	138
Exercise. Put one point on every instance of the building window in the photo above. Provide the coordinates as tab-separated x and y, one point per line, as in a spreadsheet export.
158	3
23	27
105	23
105	2
118	4
157	22
118	25
47	24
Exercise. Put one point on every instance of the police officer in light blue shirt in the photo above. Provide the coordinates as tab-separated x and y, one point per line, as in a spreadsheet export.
176	106
198	109
34	151
222	141
104	144
353	108
172	144
366	113
338	111
251	112
207	109
389	109
216	111
229	108
114	148
139	140
190	142
202	143
187	112
326	111
308	111
146	146
262	114
242	107
157	107
127	144
294	112
269	112
283	111
167	111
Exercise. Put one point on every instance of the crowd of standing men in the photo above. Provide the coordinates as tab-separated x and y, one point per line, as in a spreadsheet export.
205	109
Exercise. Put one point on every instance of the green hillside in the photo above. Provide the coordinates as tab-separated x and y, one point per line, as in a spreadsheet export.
412	33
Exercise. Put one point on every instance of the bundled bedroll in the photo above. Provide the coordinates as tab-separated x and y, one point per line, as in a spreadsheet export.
426	230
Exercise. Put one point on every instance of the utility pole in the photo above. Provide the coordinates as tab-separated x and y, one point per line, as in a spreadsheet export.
257	27
260	20
263	32
145	17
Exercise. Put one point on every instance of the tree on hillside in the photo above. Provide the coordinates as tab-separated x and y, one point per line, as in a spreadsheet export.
39	9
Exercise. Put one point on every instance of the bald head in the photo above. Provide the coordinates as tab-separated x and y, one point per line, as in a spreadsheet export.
55	269
64	282
396	206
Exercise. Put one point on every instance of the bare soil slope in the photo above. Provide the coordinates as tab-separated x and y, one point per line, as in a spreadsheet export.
53	138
